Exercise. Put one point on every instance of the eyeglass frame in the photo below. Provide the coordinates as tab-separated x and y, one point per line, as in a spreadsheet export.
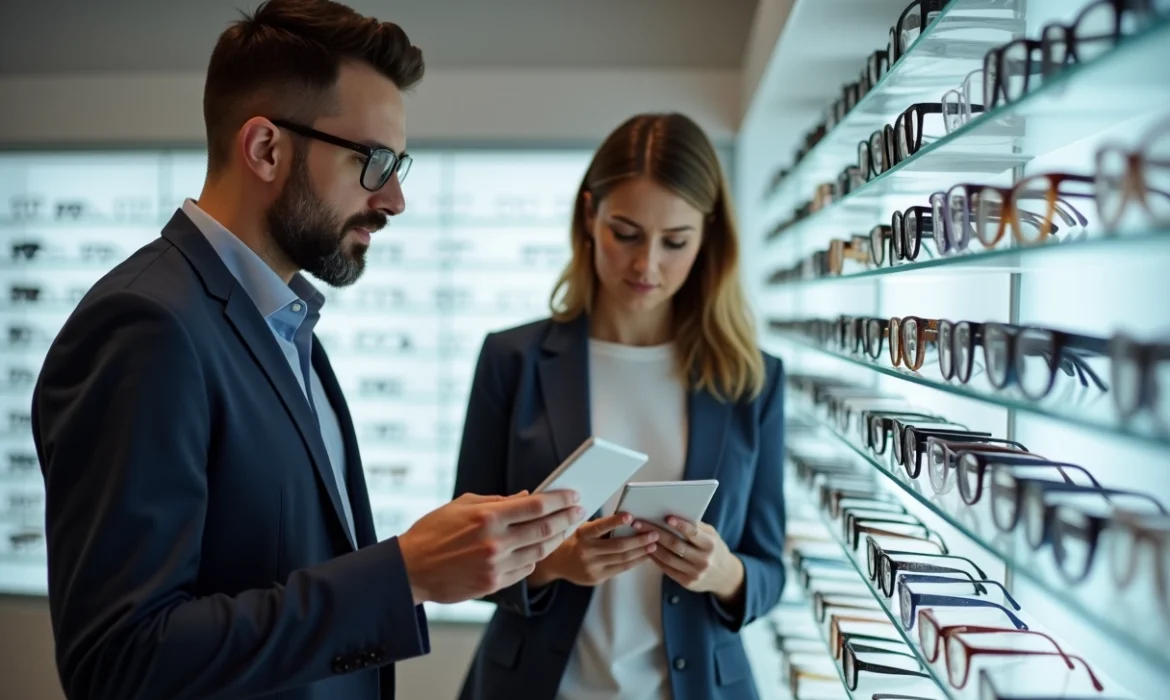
397	161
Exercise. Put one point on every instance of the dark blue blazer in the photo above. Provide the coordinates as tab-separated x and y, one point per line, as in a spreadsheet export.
529	409
196	542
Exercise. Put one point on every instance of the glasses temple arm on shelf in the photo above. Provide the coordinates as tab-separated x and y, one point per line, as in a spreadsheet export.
978	571
1060	467
1084	371
932	599
926	578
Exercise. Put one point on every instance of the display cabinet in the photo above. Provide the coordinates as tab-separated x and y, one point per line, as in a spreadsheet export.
965	266
482	241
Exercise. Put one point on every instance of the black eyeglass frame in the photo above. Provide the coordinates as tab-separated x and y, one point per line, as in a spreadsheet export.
397	164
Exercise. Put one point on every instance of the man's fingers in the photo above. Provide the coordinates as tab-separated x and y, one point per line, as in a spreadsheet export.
543	529
521	509
479	498
514	576
533	553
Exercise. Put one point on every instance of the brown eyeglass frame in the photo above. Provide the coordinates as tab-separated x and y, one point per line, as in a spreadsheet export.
1009	214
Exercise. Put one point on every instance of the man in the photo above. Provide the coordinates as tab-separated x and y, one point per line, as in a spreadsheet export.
209	530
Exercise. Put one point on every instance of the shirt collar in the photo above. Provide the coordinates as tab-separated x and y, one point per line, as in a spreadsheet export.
267	290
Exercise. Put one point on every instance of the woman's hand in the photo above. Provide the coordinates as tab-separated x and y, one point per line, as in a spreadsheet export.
587	558
701	562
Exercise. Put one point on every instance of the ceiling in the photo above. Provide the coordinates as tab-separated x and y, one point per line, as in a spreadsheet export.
79	36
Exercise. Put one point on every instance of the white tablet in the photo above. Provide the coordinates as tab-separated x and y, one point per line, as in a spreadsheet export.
595	470
653	501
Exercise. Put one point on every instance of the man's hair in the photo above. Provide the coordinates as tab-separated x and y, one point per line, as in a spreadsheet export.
283	61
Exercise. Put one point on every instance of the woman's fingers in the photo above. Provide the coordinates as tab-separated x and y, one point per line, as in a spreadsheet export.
635	554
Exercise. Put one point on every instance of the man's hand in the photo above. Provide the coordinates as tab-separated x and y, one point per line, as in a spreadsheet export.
588	558
476	545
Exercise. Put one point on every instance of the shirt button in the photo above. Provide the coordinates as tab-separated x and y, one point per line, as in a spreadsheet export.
673	600
680	664
296	307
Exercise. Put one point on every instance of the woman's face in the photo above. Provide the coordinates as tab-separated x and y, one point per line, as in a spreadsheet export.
645	240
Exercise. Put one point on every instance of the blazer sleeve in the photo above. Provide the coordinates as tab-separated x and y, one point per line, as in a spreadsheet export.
761	547
123	421
483	461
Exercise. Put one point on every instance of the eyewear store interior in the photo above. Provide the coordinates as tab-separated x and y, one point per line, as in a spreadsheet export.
961	251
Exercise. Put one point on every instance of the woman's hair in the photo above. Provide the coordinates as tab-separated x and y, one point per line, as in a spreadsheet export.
714	334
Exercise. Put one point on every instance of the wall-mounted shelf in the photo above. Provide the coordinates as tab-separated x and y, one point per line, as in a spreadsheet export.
1119	85
891	609
1100	416
1137	249
1097	615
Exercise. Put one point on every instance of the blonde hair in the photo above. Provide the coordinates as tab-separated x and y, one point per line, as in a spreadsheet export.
714	334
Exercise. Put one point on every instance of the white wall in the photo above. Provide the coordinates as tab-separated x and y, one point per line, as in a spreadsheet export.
448	106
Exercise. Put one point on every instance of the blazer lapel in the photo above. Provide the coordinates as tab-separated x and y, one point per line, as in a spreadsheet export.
707	420
359	497
564	384
241	312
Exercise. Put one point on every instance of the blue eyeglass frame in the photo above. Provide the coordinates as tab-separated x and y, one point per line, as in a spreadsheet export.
934	600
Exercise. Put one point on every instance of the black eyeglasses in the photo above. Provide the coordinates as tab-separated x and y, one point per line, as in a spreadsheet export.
380	164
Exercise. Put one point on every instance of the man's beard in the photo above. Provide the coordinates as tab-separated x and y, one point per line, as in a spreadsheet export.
310	234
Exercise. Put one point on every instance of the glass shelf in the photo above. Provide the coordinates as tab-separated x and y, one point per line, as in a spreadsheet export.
1100	417
950	48
971	525
803	607
1119	85
852	695
889	606
915	686
1125	251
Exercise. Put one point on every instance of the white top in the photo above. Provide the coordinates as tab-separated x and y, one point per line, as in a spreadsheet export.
637	401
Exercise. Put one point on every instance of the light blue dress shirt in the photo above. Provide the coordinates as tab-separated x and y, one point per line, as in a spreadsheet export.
291	311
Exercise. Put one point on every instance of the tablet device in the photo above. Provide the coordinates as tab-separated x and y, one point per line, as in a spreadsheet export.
653	501
595	470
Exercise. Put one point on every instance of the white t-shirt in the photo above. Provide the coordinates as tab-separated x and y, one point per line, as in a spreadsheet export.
636	400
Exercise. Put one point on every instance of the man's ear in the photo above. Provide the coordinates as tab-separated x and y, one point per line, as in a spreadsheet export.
263	147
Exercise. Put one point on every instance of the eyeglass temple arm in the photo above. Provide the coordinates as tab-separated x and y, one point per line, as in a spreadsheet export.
1060	467
1007	596
1106	493
1084	371
937	569
930	599
890	552
964	629
927	578
1067	659
1057	488
871	667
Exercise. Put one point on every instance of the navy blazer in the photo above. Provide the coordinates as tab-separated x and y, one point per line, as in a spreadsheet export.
529	409
196	541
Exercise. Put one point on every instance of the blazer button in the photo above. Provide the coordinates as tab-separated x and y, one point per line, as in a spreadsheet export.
673	600
680	664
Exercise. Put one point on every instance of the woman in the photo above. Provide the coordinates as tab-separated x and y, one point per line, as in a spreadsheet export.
650	345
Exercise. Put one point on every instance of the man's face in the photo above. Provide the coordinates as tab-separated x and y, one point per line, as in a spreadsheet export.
323	218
